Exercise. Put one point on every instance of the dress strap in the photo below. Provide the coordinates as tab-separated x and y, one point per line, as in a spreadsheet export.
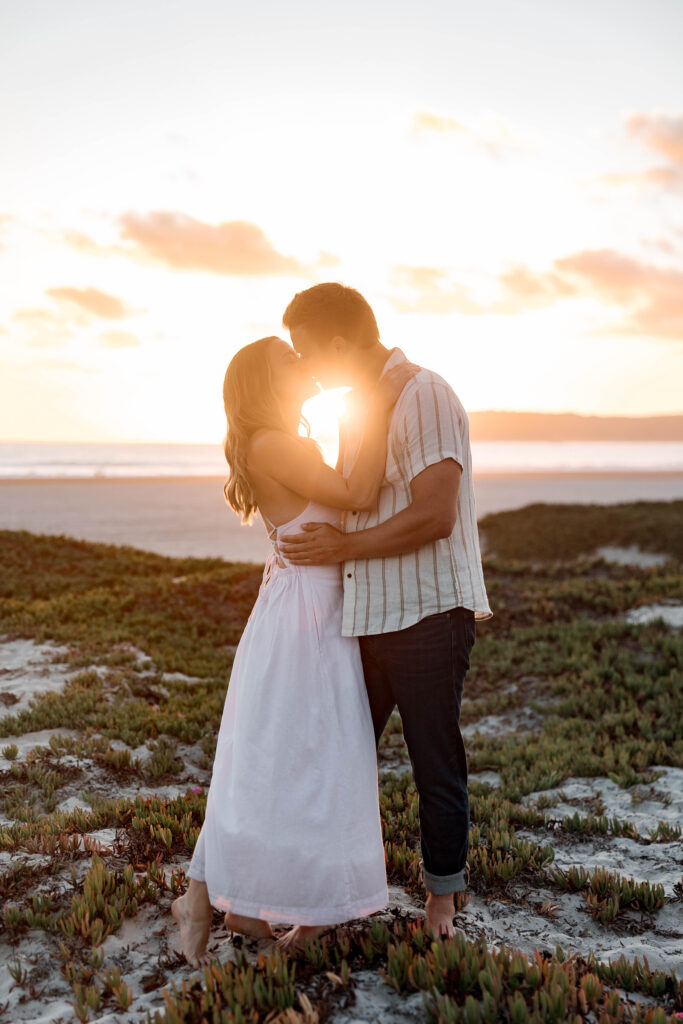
269	526
272	536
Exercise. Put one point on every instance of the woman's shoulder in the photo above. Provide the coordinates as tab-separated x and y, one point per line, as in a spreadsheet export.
268	442
264	437
263	444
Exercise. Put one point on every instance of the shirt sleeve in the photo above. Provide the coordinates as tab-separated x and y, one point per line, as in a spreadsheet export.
435	428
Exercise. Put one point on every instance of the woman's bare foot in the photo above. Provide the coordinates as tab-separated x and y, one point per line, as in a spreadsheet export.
248	926
193	917
301	933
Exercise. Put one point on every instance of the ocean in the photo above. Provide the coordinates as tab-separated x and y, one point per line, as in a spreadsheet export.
169	498
41	460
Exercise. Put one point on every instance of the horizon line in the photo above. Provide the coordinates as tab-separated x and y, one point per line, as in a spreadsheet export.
639	418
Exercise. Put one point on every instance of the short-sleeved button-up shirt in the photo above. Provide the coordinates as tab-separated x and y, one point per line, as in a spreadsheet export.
428	424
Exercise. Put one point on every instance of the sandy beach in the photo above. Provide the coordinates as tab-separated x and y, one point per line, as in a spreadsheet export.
113	670
187	516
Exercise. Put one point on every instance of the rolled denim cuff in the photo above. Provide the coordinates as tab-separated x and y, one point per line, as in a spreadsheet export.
441	885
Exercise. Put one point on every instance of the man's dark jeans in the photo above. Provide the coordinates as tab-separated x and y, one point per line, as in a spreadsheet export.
422	670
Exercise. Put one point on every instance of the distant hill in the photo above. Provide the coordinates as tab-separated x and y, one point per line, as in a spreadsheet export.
571	426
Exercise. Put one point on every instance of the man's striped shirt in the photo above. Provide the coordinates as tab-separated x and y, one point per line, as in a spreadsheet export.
428	424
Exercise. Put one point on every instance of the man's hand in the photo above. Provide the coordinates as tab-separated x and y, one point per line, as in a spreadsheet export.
430	516
320	544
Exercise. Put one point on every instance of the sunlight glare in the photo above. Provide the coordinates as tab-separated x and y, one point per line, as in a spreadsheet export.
323	412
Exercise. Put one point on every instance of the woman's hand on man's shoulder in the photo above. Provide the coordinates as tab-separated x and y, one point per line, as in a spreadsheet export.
389	387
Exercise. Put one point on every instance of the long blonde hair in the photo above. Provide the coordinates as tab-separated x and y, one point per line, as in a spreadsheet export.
250	403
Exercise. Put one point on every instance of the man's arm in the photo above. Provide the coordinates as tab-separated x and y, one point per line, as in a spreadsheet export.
279	456
429	517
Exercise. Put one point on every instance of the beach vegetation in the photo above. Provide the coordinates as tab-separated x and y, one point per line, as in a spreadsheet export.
563	687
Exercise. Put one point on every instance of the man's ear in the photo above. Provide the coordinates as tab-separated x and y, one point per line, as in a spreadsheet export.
340	345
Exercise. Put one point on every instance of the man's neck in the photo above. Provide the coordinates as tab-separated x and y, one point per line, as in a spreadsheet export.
369	367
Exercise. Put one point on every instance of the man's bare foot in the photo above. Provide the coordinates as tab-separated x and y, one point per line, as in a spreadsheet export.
248	926
439	912
301	933
194	922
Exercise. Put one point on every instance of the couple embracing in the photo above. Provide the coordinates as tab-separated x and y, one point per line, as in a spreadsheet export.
368	602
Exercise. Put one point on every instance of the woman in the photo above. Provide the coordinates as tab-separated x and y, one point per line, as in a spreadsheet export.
292	831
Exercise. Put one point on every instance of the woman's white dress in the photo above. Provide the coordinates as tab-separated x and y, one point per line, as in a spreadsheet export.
292	830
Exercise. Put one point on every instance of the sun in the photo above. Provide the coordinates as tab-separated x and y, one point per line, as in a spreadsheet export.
323	412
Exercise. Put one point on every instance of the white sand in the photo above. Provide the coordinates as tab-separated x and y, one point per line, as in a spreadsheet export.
631	556
672	614
522	719
183	516
642	805
146	942
30	740
26	669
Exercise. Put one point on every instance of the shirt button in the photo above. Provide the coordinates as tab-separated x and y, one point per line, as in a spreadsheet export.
349	575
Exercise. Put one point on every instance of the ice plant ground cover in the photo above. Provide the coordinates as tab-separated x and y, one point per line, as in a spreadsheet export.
113	669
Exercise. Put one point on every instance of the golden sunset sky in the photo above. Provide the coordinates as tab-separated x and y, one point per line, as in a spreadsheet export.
503	180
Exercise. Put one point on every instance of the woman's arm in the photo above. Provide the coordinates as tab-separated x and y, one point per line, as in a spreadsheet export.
299	467
430	516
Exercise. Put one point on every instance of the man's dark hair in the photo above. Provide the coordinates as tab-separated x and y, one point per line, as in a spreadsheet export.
330	309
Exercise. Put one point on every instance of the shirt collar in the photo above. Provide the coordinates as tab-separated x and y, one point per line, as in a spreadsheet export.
395	357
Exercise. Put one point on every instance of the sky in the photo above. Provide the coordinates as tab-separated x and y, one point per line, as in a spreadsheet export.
502	180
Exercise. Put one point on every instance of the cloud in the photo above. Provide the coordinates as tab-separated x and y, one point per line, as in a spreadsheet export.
425	121
661	132
664	245
44	328
492	133
62	364
5	220
184	243
531	288
327	259
93	301
431	292
119	339
50	328
426	278
663	177
84	244
650	298
30	316
180	242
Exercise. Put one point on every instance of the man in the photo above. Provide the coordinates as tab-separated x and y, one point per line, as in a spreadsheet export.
413	581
